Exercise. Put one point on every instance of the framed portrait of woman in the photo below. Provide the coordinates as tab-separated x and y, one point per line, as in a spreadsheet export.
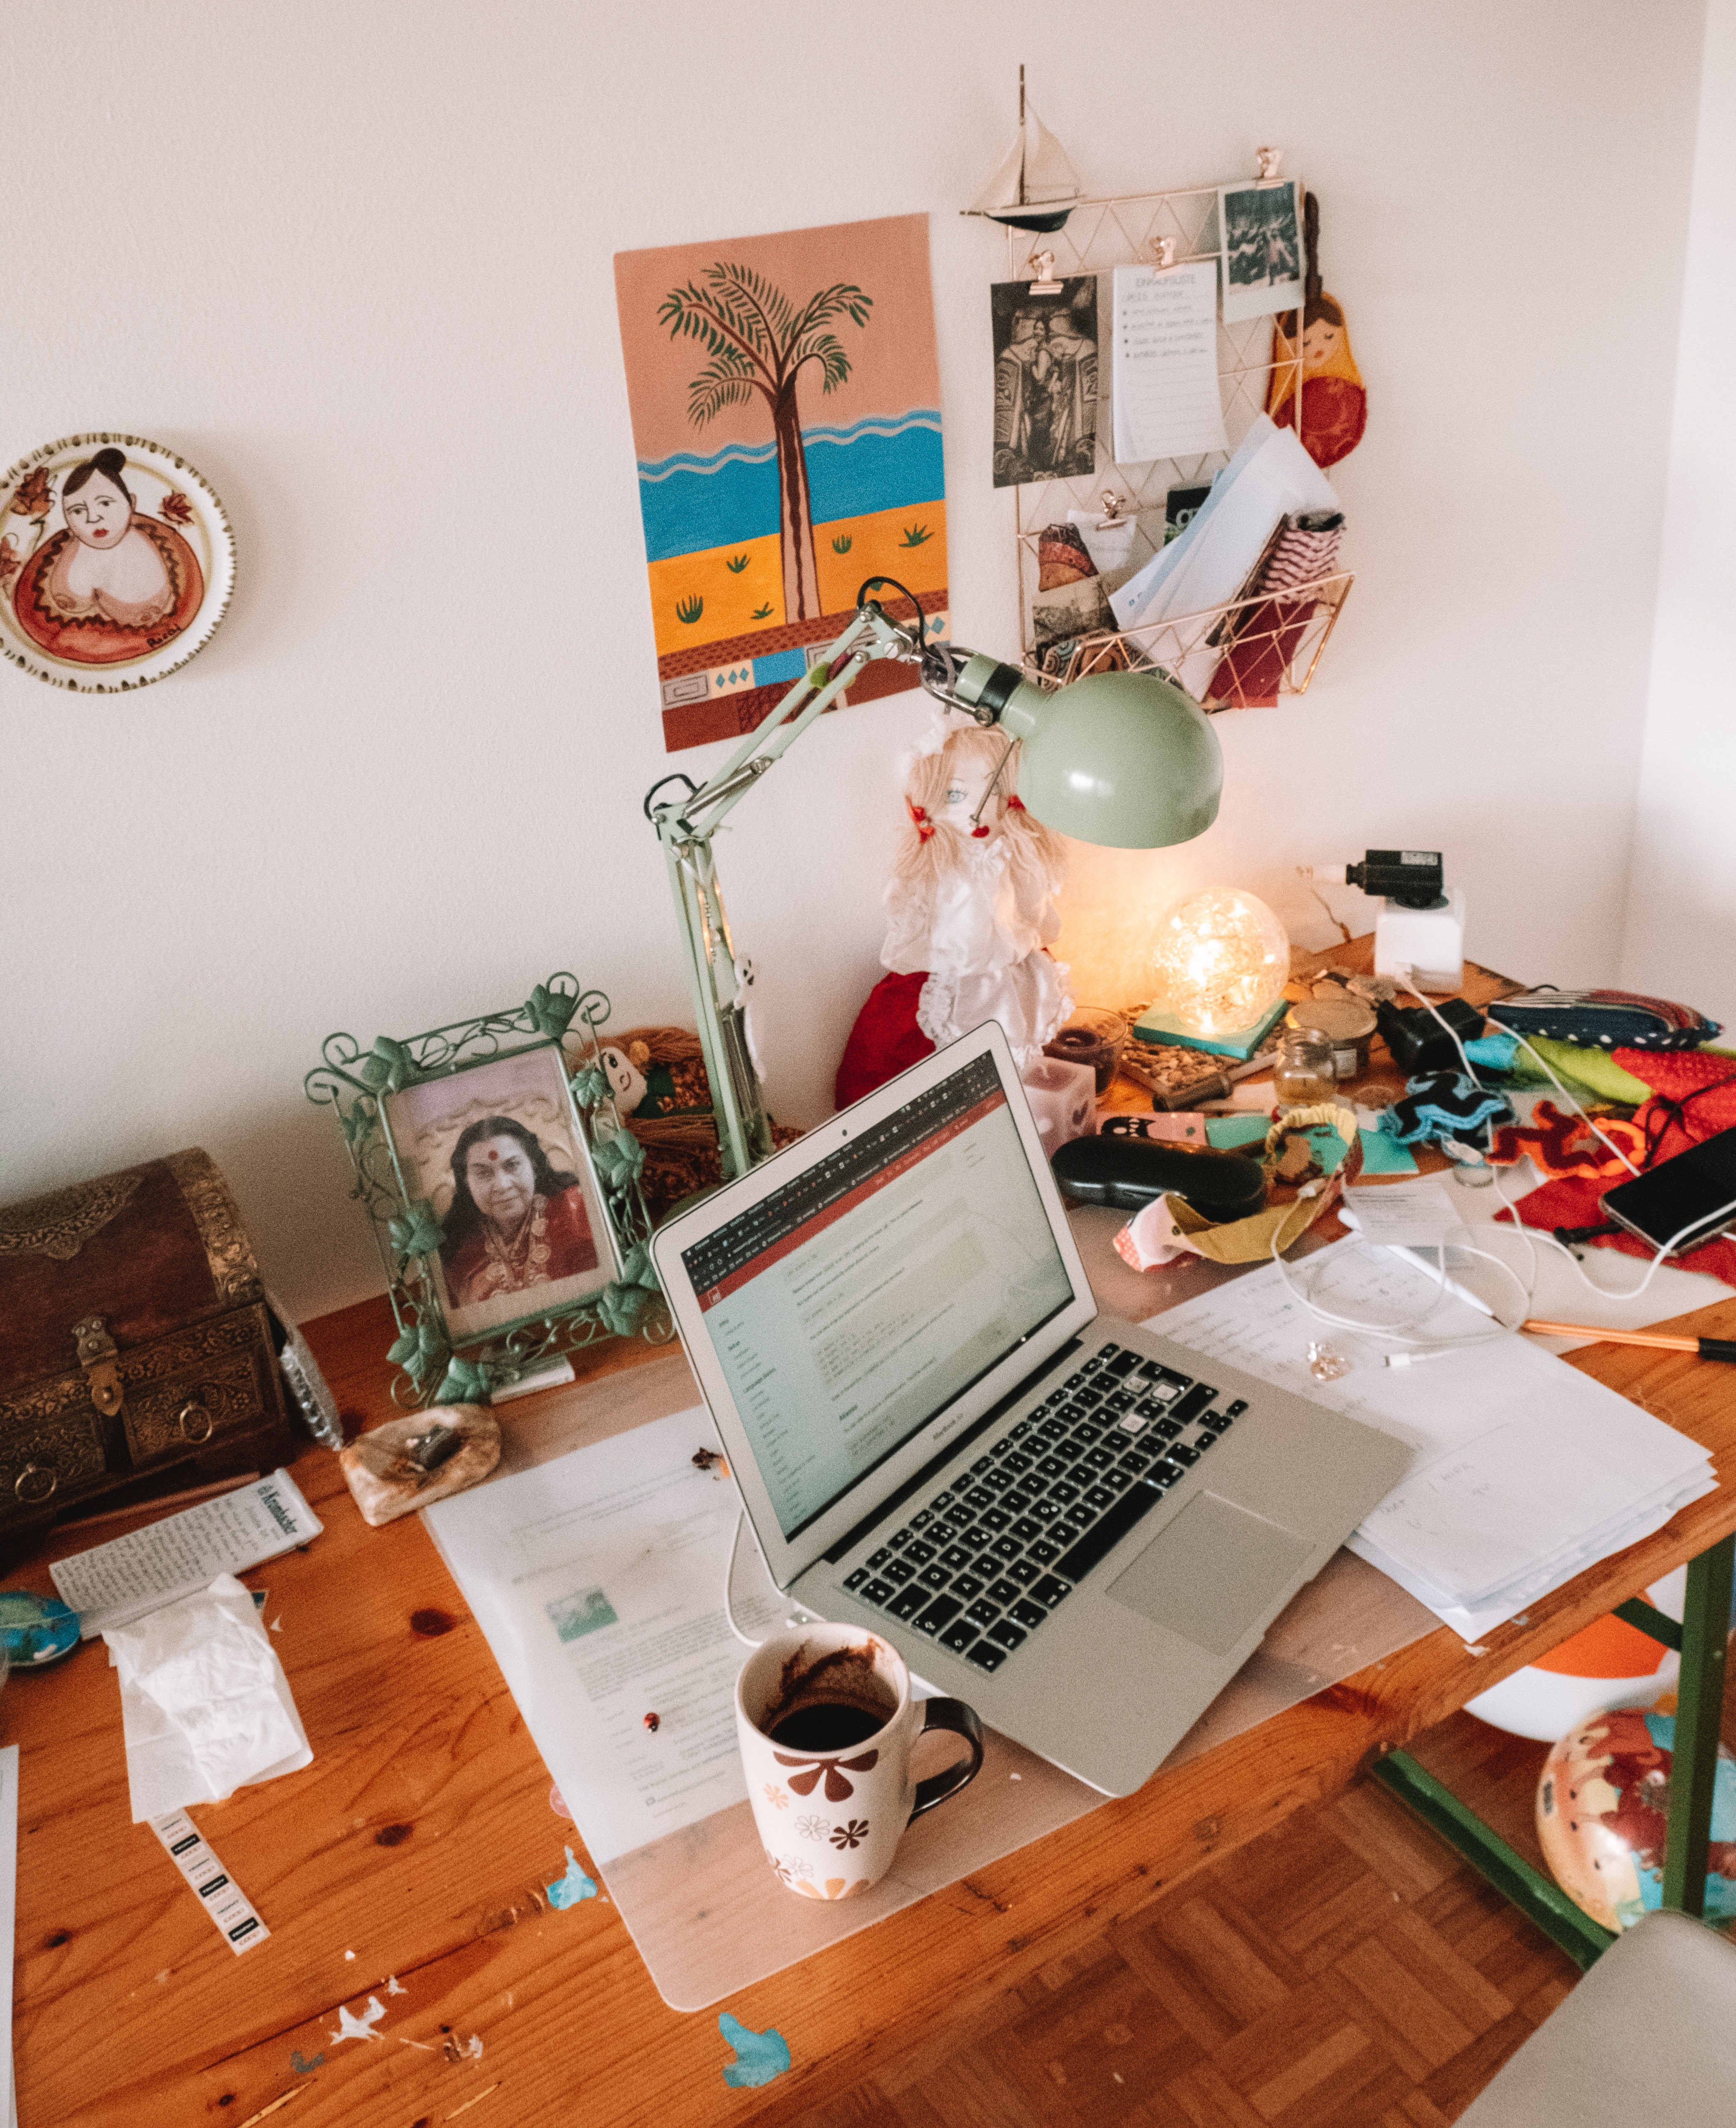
503	1185
116	562
499	1152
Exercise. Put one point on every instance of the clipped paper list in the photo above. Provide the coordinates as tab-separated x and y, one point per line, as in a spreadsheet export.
1166	397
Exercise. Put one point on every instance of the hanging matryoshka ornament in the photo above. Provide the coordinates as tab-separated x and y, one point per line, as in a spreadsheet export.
1334	402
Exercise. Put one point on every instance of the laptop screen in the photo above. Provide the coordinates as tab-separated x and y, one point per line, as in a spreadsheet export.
849	1308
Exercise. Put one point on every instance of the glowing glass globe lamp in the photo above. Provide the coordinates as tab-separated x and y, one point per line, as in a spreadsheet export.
1220	961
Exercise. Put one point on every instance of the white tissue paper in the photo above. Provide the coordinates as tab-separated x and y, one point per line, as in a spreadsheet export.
205	1705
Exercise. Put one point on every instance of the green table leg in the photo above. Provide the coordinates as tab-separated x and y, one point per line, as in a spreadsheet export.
1702	1638
1536	1896
1698	1706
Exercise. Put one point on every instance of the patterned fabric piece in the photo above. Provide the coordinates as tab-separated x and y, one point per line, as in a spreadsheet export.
1442	1104
1606	1020
1299	554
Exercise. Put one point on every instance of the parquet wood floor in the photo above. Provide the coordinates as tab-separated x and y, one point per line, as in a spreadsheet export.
1345	1968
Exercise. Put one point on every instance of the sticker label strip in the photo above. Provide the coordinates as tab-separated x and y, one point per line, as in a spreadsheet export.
221	1897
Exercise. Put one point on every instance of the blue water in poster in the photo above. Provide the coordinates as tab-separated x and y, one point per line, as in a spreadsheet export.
690	503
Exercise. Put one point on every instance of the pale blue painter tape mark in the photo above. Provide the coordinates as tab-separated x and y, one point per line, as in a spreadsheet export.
303	2067
568	1891
759	2056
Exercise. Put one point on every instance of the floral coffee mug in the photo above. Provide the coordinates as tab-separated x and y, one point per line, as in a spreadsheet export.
826	1725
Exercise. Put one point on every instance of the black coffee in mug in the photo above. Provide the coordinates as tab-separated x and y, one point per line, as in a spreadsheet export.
826	1726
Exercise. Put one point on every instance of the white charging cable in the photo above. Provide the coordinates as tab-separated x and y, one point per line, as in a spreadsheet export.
1400	1331
799	1616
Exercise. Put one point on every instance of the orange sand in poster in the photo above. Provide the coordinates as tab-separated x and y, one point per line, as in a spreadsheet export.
701	598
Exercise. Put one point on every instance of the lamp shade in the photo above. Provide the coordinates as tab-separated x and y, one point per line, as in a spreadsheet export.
1123	759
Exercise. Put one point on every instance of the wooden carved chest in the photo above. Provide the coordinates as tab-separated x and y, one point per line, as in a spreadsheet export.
133	1338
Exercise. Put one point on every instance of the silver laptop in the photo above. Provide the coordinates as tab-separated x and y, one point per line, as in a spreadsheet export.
1079	1527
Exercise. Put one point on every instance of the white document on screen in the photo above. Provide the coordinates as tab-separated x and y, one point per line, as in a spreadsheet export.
598	1579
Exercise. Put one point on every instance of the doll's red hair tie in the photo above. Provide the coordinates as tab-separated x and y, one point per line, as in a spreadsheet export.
1015	805
924	825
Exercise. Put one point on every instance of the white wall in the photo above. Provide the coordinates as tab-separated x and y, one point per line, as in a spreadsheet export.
352	260
1680	938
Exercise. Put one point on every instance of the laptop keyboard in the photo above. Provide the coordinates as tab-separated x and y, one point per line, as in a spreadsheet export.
986	1561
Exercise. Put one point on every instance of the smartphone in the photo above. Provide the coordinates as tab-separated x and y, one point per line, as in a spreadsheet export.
1682	1202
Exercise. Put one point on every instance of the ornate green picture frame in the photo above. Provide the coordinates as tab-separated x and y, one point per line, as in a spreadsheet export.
503	1186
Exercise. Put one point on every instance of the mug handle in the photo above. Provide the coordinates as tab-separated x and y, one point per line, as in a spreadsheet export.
953	1714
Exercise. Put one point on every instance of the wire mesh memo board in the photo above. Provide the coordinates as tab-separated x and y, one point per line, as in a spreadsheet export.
1279	640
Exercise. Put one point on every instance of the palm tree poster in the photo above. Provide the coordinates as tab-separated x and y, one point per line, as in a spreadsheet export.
785	402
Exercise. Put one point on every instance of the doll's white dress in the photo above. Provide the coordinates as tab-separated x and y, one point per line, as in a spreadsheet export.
980	936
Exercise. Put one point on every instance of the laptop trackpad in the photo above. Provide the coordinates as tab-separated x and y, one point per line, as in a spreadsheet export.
1212	1573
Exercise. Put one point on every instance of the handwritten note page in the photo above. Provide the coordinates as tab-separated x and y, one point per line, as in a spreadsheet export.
1166	398
599	1581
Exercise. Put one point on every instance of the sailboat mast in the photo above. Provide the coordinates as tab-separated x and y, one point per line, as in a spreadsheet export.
1021	136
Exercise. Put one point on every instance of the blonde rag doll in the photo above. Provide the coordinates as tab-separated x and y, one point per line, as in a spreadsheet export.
970	907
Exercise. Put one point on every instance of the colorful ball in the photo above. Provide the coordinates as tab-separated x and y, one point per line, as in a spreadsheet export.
1603	1809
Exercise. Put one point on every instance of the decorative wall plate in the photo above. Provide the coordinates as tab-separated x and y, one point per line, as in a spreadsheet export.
116	562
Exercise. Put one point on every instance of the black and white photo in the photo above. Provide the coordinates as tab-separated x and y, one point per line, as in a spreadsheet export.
1044	380
1261	225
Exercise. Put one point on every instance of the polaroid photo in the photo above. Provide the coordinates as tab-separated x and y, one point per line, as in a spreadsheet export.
1262	232
499	1150
1045	381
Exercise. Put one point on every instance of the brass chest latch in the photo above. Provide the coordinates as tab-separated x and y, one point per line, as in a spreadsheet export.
101	1365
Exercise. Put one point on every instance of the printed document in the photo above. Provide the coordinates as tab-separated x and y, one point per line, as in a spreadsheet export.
113	1584
1166	392
599	1581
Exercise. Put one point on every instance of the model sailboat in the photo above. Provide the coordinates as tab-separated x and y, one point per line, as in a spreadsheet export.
1037	188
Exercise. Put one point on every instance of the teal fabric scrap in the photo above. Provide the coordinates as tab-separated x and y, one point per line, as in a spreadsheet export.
759	2056
1226	1132
1382	1155
1495	1051
568	1891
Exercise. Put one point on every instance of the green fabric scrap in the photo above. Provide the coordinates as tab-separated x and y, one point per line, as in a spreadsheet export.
1594	1071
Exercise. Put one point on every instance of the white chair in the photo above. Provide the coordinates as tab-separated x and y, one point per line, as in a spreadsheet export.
1649	2035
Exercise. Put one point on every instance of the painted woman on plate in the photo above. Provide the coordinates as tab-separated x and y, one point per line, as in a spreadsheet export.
113	584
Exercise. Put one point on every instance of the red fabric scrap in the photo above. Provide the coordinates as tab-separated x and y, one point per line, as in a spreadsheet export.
885	1039
1693	1097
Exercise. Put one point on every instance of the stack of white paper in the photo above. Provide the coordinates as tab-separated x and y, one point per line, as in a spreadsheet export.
1526	1472
1270	478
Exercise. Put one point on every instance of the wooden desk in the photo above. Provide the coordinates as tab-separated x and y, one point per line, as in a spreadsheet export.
419	1843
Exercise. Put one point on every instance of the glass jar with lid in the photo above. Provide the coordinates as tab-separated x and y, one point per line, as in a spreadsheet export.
1304	1073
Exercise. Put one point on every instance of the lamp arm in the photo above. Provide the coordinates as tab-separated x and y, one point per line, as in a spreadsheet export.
685	826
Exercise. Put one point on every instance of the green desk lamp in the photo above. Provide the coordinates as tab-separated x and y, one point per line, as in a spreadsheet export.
1123	759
